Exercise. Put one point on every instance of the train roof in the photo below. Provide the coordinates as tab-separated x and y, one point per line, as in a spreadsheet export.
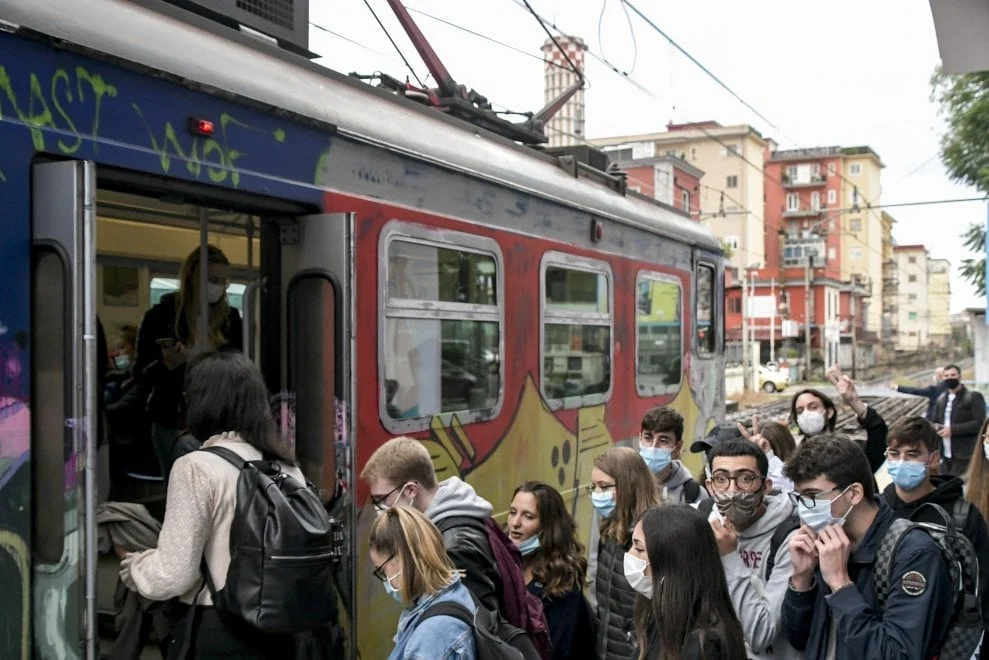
155	35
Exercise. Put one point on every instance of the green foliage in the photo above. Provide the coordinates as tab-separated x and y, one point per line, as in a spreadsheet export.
729	250
964	106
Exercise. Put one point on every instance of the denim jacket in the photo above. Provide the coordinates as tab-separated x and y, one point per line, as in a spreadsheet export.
440	637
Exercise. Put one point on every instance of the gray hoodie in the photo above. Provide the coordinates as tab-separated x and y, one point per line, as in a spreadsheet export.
457	498
758	604
673	488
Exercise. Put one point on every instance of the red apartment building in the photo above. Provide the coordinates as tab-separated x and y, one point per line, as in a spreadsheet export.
803	201
668	177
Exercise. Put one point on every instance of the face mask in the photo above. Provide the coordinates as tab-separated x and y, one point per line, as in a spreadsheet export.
810	422
392	591
952	383
122	362
906	474
985	450
657	458
214	292
635	573
604	503
820	516
381	508
739	508
528	546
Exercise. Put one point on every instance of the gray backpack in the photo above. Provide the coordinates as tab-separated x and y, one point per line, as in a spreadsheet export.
965	631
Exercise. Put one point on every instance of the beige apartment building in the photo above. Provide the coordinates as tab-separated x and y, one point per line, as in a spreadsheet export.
939	301
890	284
731	193
862	228
911	264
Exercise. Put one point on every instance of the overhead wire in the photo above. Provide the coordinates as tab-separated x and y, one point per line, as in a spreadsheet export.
631	29
397	49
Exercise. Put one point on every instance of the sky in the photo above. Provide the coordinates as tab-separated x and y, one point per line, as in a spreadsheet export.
845	73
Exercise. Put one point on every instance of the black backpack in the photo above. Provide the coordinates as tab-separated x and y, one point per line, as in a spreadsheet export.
691	491
780	534
494	638
284	549
965	631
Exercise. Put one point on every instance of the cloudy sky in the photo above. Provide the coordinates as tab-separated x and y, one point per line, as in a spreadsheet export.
836	73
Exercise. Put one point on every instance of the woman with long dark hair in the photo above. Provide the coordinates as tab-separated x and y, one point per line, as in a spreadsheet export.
554	565
977	477
622	488
683	611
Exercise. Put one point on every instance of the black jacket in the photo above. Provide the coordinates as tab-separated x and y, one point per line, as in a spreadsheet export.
967	414
165	406
875	438
615	604
711	648
466	543
571	624
931	393
948	490
910	626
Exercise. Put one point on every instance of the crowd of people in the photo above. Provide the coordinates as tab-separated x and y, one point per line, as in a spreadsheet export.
784	548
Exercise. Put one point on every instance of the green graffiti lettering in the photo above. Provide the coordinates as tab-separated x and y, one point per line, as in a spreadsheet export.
100	88
216	172
37	121
191	158
63	75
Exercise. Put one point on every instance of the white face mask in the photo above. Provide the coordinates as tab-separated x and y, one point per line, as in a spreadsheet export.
214	292
810	422
985	450
635	573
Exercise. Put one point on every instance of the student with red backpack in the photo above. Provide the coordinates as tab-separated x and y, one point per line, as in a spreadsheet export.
400	472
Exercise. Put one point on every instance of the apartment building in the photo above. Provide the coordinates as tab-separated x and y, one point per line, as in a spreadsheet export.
862	229
730	196
939	301
890	298
912	274
667	178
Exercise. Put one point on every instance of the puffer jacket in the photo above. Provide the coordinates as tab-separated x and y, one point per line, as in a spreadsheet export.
615	604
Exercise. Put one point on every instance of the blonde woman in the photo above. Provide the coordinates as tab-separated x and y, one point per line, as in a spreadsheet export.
977	477
407	553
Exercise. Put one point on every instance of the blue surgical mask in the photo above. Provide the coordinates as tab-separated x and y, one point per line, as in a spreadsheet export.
530	545
907	474
122	361
604	503
819	517
657	458
392	591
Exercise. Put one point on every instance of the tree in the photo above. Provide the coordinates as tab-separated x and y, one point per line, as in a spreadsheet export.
964	105
729	250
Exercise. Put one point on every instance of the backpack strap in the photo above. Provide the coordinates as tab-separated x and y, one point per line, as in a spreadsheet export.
885	556
450	609
447	524
691	491
959	514
229	455
780	535
706	507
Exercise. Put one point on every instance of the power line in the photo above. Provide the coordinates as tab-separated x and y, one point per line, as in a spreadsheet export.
631	30
397	49
542	24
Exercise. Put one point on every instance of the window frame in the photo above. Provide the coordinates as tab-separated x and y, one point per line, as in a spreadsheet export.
702	264
412	308
573	262
731	181
648	391
855	169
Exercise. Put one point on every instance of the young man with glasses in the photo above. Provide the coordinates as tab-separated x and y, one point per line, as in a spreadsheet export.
753	529
400	473
830	609
660	445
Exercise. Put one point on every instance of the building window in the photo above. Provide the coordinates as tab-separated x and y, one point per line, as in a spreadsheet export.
855	169
791	173
576	330
442	325
792	202
832	197
911	297
912	278
685	200
732	182
693	153
735	306
912	260
815	200
658	336
706	310
831	169
732	242
913	316
855	224
831	254
856	253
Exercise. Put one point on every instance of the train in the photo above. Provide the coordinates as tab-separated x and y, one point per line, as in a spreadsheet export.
400	272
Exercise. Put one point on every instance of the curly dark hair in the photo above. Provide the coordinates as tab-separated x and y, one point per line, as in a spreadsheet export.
559	563
835	457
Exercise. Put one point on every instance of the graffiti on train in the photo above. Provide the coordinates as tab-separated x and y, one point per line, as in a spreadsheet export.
69	107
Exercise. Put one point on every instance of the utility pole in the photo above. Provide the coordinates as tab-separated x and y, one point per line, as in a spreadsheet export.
745	331
854	327
807	273
772	321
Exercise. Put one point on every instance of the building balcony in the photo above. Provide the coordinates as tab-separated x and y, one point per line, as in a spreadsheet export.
814	181
809	212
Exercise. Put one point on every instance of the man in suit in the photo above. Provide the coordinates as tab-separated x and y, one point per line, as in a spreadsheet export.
958	418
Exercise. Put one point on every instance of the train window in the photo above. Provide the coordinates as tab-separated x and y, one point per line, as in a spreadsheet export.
161	286
576	330
658	336
442	327
49	433
705	310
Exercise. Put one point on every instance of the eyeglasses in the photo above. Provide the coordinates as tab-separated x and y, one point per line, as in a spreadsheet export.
810	501
379	571
594	488
379	500
744	480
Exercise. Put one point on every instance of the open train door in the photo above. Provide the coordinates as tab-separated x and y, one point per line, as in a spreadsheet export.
64	383
308	266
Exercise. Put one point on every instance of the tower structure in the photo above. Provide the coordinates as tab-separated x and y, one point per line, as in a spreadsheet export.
566	128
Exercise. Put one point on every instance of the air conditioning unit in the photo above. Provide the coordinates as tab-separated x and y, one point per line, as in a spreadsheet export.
283	22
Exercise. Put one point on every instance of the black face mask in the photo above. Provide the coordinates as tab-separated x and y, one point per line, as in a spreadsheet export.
952	383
